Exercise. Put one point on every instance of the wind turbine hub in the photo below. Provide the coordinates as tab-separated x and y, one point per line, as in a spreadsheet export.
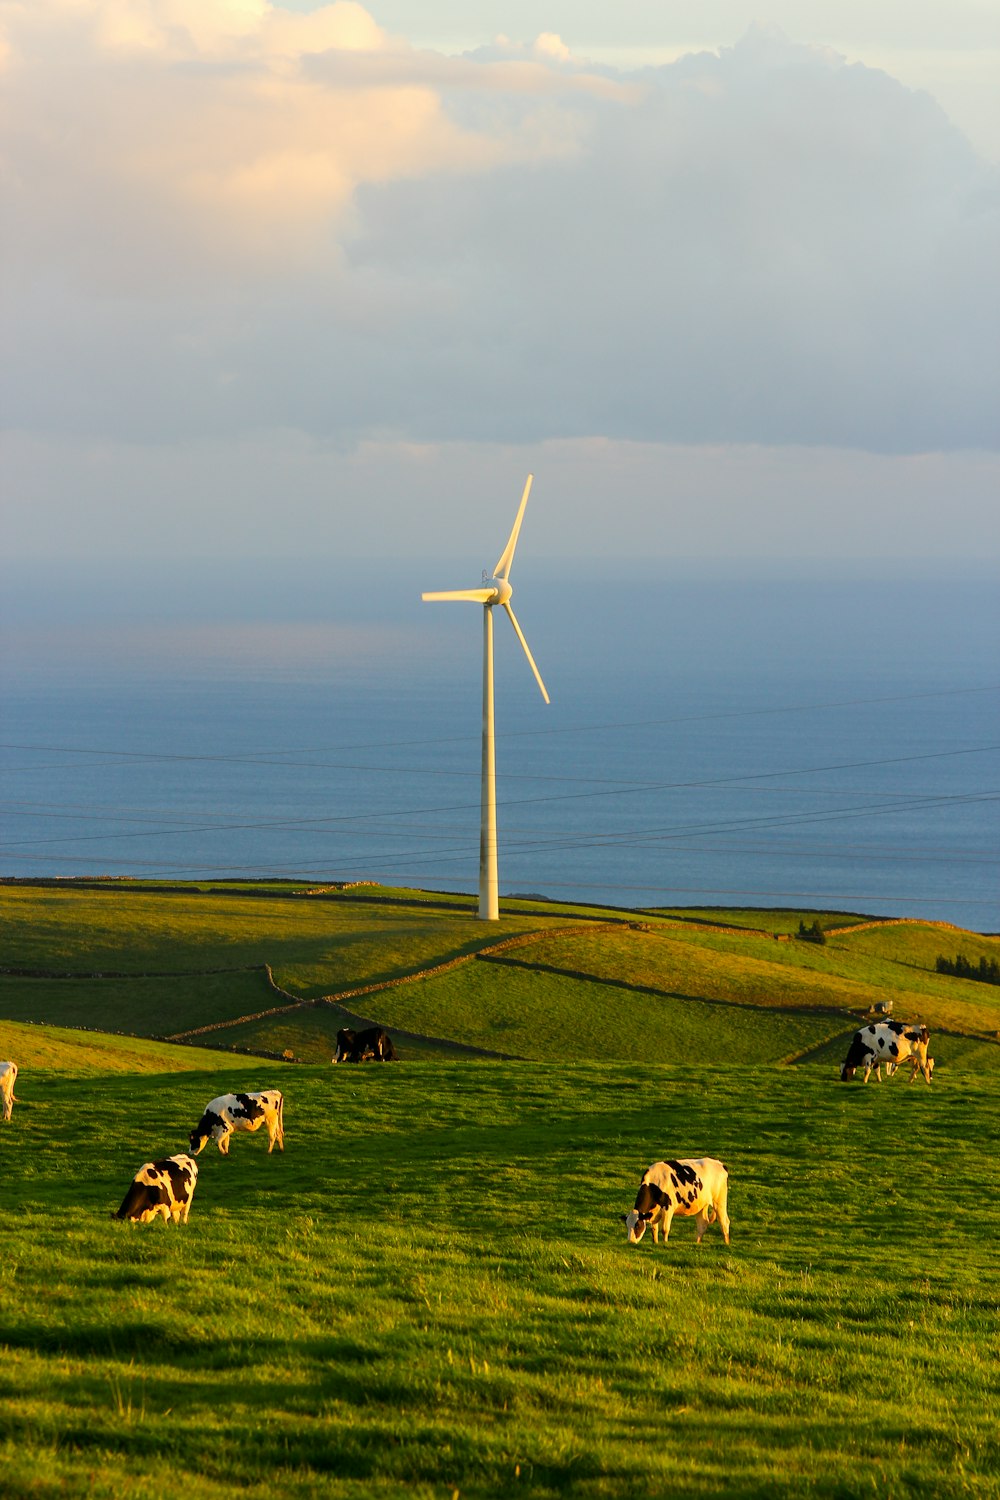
503	589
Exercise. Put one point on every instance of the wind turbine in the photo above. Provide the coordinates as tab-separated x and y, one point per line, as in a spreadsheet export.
492	591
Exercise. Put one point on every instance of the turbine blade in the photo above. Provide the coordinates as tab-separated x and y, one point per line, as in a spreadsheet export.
502	568
531	659
477	596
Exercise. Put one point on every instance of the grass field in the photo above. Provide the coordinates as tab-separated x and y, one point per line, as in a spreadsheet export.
430	1291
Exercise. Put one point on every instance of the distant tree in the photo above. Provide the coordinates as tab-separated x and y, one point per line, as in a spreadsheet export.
813	934
986	971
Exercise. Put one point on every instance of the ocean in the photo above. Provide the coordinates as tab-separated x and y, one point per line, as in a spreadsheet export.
823	742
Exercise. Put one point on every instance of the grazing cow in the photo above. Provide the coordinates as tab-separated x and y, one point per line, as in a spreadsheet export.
699	1186
359	1046
241	1112
8	1078
161	1187
887	1042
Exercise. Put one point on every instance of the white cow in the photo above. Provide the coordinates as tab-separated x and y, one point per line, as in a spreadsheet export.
241	1112
8	1077
686	1187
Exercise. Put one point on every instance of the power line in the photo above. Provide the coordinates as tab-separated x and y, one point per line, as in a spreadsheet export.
619	791
527	838
267	757
374	826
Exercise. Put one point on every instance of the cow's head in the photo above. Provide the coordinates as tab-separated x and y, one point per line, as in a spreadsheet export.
199	1138
345	1042
847	1072
647	1200
635	1223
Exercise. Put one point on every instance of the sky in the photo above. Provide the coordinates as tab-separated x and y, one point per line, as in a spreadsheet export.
289	280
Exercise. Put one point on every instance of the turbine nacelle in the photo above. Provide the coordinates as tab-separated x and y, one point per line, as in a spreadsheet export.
502	589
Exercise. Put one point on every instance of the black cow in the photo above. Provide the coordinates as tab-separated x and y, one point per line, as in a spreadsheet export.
360	1046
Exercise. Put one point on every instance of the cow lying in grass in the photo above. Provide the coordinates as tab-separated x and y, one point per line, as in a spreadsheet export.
161	1187
688	1187
8	1078
241	1112
887	1042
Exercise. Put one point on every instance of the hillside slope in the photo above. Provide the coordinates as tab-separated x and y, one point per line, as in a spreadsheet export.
281	971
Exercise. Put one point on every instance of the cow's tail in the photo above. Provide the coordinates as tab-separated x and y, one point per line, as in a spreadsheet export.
281	1119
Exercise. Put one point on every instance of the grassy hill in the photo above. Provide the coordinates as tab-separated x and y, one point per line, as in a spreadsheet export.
87	1054
430	1292
545	982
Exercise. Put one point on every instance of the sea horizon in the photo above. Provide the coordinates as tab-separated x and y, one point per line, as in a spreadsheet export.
820	742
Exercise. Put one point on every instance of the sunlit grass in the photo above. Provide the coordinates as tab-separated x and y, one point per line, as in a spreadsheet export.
431	1290
639	988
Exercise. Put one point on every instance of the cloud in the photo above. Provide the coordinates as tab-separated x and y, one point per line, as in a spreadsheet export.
446	509
185	140
227	216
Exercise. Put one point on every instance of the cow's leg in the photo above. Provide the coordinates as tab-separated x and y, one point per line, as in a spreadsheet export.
666	1217
701	1224
224	1143
722	1209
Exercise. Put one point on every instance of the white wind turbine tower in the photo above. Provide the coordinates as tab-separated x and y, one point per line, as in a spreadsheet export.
495	590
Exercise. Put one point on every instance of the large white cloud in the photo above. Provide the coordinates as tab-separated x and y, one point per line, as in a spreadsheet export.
227	216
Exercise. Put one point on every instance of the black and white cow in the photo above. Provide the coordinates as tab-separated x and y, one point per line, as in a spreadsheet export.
686	1187
888	1042
241	1112
8	1078
161	1187
360	1046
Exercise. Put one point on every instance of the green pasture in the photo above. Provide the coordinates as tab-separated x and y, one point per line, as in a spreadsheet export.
50	1050
313	945
430	1292
147	1006
540	984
